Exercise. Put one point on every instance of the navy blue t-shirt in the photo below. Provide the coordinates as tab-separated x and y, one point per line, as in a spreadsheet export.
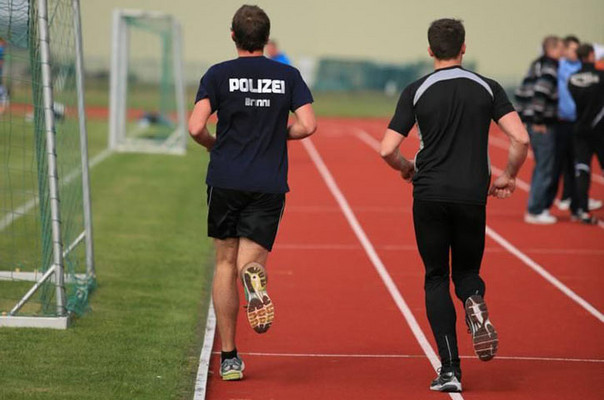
252	97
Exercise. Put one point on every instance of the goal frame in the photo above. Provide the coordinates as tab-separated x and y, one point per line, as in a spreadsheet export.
56	272
176	143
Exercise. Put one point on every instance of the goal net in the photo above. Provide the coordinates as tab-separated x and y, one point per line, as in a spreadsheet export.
147	109
46	255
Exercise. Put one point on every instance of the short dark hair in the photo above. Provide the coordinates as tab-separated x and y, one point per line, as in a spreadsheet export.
251	28
571	39
446	36
548	42
584	51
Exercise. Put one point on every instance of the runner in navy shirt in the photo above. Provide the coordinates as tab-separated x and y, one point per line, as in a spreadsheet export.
247	174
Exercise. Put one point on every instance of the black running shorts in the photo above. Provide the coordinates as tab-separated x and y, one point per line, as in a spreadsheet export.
252	215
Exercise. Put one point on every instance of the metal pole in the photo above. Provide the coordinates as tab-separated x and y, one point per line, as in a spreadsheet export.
113	101
53	176
90	271
33	290
179	81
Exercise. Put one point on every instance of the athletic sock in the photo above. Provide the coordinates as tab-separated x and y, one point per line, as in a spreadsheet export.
225	355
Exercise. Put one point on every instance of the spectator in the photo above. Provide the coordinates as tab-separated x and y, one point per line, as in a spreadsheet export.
587	90
273	52
564	164
537	100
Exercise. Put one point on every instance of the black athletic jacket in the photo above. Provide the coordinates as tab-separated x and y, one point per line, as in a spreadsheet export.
537	97
587	89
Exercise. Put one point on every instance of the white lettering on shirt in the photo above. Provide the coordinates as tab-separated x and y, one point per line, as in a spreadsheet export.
247	85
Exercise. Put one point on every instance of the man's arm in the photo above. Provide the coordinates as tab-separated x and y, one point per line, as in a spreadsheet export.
305	124
512	126
197	124
389	150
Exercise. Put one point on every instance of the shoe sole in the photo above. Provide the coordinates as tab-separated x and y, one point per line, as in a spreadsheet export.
484	335
530	220
233	376
260	308
447	388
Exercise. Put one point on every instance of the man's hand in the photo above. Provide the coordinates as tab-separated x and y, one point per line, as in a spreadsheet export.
503	187
408	170
539	128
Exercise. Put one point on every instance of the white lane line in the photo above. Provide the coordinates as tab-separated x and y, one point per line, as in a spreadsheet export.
201	381
545	274
373	257
399	247
11	217
386	356
524	258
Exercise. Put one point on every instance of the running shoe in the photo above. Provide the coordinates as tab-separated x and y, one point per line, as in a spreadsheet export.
260	309
231	369
447	381
484	336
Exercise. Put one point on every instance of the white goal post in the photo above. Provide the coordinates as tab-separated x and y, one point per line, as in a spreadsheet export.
147	104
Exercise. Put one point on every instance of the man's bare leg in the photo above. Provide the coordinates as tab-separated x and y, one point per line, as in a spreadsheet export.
224	291
250	262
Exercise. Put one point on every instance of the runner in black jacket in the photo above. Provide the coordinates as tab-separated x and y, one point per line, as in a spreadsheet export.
587	89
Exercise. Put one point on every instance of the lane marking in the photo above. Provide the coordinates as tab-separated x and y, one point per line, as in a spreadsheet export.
521	256
21	211
373	256
401	247
422	356
201	381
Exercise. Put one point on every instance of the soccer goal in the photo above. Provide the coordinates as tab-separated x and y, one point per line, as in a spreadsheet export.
147	108
46	249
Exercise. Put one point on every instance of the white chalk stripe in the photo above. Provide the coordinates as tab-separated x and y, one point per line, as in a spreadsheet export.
373	257
524	258
11	217
201	382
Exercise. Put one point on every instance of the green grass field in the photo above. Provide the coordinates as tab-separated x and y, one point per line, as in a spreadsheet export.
141	339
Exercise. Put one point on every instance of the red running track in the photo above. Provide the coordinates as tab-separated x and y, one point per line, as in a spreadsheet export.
338	332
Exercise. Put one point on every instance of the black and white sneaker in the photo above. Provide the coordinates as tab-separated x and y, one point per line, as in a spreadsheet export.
484	335
447	381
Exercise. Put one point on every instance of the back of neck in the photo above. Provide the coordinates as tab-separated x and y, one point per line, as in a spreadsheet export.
245	53
440	64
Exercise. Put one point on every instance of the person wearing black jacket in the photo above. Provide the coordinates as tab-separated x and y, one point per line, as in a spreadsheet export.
587	89
537	104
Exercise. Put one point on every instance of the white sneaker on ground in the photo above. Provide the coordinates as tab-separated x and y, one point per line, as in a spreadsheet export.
563	204
594	204
545	218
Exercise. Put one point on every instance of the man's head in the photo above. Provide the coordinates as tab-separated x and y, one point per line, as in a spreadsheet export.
250	28
552	47
586	53
271	48
446	37
571	44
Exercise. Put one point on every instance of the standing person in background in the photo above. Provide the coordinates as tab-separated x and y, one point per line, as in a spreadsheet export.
274	53
537	100
564	164
247	174
587	89
453	109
